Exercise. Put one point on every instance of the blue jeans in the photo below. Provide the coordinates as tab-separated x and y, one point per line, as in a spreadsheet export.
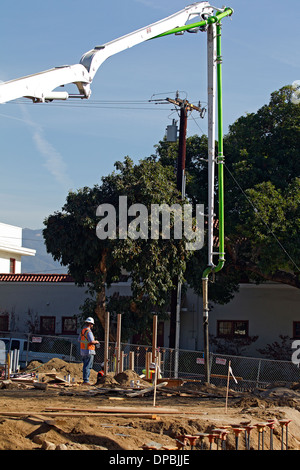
87	366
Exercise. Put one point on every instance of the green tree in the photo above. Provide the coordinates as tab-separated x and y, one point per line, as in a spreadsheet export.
70	236
263	191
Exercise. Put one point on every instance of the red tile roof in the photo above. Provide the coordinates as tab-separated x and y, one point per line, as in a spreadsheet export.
36	278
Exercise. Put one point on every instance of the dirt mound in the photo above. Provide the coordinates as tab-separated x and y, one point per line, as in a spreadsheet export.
74	370
108	381
125	379
61	368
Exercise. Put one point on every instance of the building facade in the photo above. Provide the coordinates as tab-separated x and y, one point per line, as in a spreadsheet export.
11	249
49	304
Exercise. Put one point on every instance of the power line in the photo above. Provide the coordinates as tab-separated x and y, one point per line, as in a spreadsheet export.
99	104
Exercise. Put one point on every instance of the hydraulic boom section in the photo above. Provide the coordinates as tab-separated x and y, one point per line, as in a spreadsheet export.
40	87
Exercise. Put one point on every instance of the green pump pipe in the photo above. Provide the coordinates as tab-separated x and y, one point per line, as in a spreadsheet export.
210	20
220	160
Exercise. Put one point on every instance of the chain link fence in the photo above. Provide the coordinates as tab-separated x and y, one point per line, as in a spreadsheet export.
186	364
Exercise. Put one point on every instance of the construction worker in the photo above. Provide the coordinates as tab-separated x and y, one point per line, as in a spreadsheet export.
87	348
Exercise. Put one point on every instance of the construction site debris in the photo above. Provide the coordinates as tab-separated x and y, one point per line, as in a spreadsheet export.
37	413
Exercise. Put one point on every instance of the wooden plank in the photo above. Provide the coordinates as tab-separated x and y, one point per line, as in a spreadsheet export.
21	380
57	414
170	382
116	409
146	390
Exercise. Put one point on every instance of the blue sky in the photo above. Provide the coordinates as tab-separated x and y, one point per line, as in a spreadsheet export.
48	149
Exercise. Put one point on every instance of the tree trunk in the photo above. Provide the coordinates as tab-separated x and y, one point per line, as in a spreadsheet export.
100	309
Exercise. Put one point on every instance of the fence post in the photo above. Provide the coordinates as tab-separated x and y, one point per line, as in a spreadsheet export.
71	351
27	351
258	372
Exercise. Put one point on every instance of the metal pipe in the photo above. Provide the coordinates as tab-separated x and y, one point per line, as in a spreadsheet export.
210	20
205	329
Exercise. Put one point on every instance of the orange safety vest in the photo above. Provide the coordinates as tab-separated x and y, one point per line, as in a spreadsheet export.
84	343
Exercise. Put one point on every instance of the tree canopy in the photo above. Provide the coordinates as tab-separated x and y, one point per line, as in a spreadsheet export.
70	236
263	191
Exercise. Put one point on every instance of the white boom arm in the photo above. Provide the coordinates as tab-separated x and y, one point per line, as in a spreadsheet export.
39	87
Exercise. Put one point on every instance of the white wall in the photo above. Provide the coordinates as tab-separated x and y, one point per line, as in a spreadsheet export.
5	257
269	308
11	247
10	235
25	301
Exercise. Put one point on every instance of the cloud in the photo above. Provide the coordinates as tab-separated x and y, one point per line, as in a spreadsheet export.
53	160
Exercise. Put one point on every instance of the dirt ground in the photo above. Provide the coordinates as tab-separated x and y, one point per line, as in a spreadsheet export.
43	412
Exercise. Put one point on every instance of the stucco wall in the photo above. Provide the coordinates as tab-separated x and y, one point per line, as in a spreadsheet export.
270	309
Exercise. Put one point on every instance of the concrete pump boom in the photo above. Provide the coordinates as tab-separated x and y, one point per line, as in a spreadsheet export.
40	86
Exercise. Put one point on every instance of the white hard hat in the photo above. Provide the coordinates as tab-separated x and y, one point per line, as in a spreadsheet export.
89	320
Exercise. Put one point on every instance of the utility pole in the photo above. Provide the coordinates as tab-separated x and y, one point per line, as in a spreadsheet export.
185	108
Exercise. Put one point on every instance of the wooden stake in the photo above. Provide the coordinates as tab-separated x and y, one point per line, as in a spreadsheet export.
118	347
106	343
227	388
148	360
122	358
154	338
8	365
131	360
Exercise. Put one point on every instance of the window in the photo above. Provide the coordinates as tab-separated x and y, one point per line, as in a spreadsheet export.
12	266
296	329
232	328
15	344
4	322
47	325
69	325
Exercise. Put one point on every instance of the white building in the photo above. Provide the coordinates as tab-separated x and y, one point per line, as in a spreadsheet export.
11	249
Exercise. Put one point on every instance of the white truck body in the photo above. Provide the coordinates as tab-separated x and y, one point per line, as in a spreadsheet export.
25	354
